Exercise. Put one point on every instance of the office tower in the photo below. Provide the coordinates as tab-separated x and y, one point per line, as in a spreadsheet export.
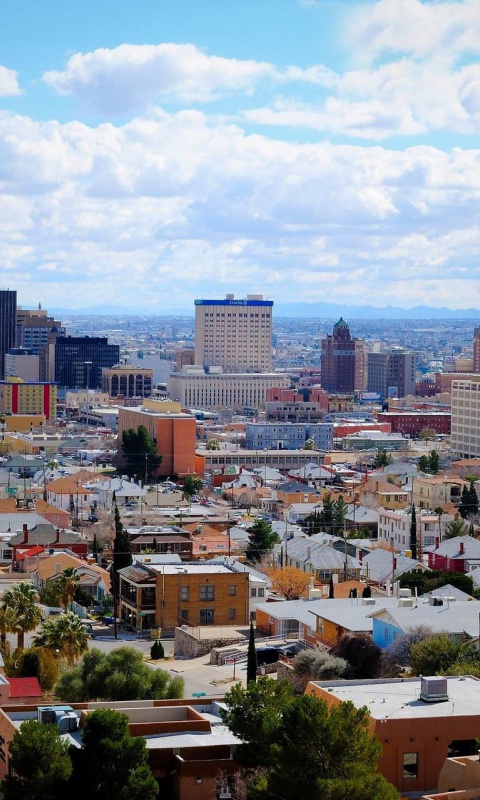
476	351
392	372
234	334
343	360
78	360
33	327
8	311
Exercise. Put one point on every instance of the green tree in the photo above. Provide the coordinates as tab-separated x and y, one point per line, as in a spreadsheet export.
64	635
413	533
113	764
313	523
41	765
213	444
327	515
429	580
23	599
456	527
66	584
325	754
140	453
261	540
251	657
434	655
464	505
119	675
434	462
122	553
253	714
422	463
339	515
310	445
382	459
191	485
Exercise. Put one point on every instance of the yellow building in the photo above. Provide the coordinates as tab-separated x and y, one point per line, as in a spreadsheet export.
28	397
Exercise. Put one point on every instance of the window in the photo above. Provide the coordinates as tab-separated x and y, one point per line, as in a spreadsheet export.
231	613
206	616
253	593
207	592
261	592
184	593
232	591
410	765
184	616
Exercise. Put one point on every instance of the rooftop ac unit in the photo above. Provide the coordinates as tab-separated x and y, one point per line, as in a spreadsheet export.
434	690
405	602
404	592
369	601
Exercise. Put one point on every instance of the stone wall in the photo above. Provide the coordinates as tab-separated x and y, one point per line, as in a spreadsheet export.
187	645
285	672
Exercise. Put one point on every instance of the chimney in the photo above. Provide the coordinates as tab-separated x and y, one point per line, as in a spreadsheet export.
462	549
360	556
25	533
57	536
437	542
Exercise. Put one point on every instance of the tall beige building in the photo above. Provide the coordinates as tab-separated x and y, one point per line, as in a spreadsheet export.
234	334
466	417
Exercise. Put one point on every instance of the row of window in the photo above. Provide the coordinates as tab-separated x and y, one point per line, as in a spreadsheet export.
206	616
207	592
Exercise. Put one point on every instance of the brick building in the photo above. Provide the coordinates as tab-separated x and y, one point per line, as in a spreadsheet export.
167	596
175	435
412	422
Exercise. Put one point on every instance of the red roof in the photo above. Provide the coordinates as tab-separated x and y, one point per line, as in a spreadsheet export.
32	552
24	687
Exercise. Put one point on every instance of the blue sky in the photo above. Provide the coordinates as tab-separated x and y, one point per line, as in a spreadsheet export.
162	150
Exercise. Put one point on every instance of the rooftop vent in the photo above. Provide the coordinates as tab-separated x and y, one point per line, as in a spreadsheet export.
434	690
368	601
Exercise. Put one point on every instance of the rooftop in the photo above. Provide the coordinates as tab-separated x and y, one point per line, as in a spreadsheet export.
399	698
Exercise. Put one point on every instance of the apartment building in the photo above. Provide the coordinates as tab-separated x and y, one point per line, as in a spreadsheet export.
166	596
394	528
234	334
288	435
410	423
466	417
28	397
435	491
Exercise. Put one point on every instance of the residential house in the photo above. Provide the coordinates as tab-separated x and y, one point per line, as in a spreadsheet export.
459	554
380	566
437	490
92	578
57	516
458	618
167	596
162	539
123	490
321	561
380	493
71	495
48	537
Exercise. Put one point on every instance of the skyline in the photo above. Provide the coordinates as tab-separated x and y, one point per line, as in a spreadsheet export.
307	150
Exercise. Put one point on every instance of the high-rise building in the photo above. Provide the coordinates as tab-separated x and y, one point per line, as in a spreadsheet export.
343	360
33	328
476	350
28	397
8	312
466	417
234	334
392	372
78	360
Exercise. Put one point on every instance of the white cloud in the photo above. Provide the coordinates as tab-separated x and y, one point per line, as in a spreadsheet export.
422	29
159	210
9	86
130	77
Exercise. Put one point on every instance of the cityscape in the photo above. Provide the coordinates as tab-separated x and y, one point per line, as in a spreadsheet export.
240	400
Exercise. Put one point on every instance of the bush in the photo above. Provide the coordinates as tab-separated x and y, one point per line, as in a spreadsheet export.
157	651
319	665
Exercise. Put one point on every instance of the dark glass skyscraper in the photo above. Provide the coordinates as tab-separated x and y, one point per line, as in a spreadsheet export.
8	321
79	360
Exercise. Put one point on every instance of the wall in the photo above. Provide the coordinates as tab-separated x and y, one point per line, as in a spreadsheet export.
188	645
384	632
169	613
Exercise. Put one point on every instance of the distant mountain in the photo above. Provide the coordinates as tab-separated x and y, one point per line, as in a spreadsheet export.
293	310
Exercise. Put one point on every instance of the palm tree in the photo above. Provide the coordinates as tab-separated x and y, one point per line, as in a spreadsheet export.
455	528
23	599
8	624
64	635
66	583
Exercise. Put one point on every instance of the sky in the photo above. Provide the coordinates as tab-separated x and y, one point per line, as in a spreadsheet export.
156	151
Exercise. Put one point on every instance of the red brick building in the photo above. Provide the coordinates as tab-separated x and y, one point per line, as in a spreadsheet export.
410	423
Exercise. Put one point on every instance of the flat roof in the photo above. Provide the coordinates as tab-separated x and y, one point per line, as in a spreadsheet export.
398	698
191	569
